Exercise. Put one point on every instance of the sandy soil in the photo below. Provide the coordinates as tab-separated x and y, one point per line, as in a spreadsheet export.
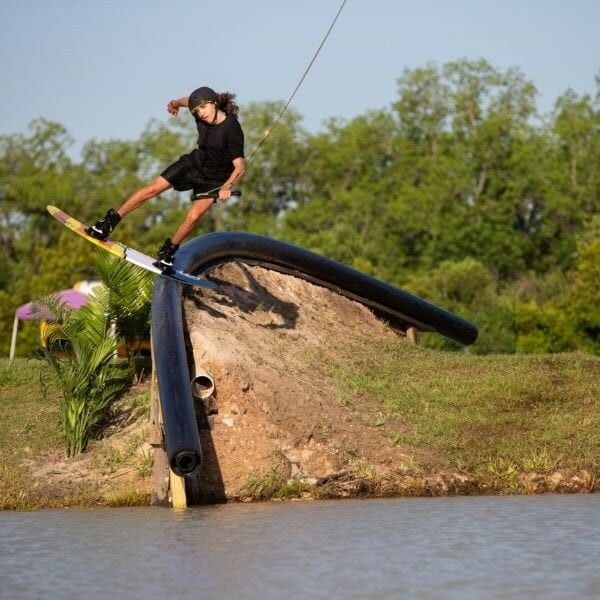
271	340
115	469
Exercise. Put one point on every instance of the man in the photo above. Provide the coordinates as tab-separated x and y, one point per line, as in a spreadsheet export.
215	166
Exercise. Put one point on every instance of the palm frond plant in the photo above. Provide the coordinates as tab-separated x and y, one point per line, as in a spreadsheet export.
88	374
129	296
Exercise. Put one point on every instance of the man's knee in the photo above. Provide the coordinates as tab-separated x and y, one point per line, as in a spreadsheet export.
157	186
199	207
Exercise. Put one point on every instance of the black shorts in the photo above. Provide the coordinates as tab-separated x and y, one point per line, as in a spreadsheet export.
184	175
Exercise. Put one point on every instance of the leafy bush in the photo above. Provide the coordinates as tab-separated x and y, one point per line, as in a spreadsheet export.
584	303
560	313
468	289
89	376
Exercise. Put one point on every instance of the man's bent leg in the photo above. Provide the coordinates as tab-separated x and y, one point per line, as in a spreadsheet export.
104	227
166	253
199	207
153	189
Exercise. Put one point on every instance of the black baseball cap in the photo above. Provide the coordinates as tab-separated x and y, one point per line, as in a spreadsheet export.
201	95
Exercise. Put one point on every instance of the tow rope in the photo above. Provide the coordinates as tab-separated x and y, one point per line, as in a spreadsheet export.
268	131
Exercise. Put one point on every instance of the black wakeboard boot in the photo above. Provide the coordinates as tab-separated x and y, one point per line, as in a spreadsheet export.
166	255
104	227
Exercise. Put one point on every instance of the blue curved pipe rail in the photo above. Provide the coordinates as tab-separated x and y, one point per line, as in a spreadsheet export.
202	254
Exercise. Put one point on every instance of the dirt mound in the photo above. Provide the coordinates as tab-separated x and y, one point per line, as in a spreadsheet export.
272	342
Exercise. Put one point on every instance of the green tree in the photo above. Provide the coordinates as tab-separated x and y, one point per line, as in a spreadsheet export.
469	290
573	173
486	123
272	184
342	213
33	168
458	168
559	312
583	305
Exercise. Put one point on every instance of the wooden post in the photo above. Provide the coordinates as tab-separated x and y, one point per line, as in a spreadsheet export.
178	496
412	335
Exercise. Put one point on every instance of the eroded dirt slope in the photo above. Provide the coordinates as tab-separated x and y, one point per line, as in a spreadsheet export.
272	342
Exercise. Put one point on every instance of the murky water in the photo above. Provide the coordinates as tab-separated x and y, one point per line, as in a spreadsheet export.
491	547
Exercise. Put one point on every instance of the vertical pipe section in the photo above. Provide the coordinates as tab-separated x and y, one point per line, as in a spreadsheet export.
176	400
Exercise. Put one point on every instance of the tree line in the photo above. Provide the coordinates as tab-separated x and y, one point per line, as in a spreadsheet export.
458	191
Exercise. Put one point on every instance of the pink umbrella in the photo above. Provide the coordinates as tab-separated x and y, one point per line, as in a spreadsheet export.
33	311
36	310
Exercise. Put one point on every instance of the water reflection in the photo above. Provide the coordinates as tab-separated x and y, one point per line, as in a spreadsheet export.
545	546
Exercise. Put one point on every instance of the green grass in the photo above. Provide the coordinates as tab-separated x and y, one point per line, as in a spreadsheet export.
270	486
28	413
492	416
29	423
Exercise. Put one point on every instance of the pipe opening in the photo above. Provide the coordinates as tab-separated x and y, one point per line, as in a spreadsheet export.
185	462
203	385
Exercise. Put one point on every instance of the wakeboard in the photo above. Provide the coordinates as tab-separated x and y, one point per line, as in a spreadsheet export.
126	253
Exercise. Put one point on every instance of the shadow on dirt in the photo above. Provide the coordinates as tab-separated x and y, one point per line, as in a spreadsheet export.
248	301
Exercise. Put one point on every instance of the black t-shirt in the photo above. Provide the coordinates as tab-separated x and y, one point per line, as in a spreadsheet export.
218	146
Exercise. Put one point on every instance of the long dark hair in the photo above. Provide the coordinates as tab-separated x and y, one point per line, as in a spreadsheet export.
226	104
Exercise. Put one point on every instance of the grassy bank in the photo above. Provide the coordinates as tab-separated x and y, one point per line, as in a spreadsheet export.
467	424
28	425
113	472
512	423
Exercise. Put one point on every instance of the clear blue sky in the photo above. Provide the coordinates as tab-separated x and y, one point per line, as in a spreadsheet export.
104	68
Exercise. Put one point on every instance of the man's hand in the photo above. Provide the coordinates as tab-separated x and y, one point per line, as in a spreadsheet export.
224	193
173	107
239	168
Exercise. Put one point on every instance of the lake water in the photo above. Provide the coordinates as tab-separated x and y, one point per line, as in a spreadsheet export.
483	547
